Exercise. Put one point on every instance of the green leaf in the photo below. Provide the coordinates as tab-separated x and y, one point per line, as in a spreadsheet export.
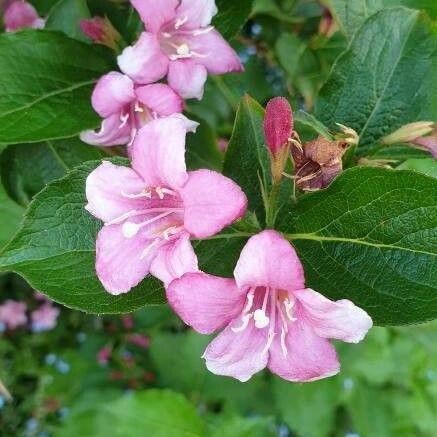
10	216
231	16
54	250
47	80
426	166
310	121
202	148
246	427
66	15
381	83
157	413
247	160
371	237
23	177
350	15
308	409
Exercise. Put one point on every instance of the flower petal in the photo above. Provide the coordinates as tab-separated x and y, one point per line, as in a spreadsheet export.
174	259
155	14
269	260
160	98
214	53
158	153
112	133
237	354
144	62
211	202
309	357
205	302
187	78
112	93
105	187
120	264
341	319
196	13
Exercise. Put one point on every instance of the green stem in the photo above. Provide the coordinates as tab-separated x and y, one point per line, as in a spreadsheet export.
271	210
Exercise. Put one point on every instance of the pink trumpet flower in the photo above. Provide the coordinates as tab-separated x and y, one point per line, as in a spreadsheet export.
151	210
180	42
21	14
13	314
269	318
126	108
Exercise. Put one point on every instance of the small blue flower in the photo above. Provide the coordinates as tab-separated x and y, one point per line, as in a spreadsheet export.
50	359
62	366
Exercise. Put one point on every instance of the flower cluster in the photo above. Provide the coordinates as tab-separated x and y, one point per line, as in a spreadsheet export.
153	209
179	44
13	314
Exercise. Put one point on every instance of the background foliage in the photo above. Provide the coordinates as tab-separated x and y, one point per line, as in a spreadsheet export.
369	237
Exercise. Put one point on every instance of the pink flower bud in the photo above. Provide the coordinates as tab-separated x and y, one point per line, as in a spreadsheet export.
101	31
278	124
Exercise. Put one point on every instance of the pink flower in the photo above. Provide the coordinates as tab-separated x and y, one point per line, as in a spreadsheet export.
21	14
44	318
179	42
151	210
13	314
269	318
428	143
100	30
104	354
126	107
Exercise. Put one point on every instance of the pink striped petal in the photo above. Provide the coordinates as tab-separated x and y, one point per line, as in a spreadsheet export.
341	320
205	302
158	153
144	62
187	78
112	93
160	98
237	354
174	259
211	201
269	260
309	357
107	188
155	13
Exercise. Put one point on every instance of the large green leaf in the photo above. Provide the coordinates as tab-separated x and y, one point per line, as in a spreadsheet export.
246	160
371	237
47	80
382	81
54	250
25	169
350	15
231	16
10	216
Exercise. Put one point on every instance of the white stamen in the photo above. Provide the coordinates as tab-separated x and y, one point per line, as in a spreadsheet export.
183	50
134	213
180	22
123	118
166	34
289	304
245	321
170	231
270	338
132	136
160	192
129	229
199	55
261	320
283	345
147	192
202	31
138	108
249	299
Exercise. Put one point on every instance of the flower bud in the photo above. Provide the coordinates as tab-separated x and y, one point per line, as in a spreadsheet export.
21	14
278	124
101	31
409	132
428	143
